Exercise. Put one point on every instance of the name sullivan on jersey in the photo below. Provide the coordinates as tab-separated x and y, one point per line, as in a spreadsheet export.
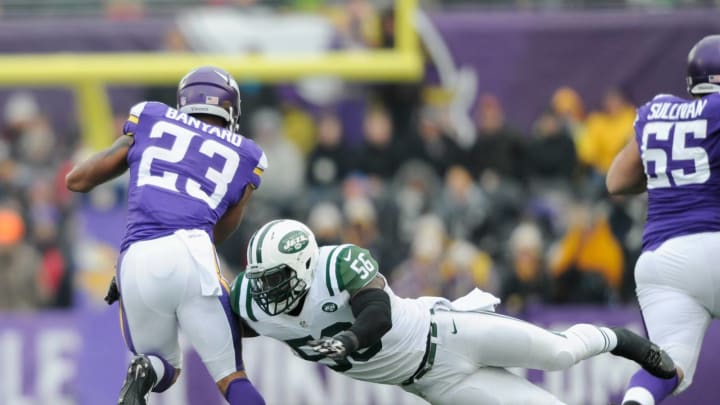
674	111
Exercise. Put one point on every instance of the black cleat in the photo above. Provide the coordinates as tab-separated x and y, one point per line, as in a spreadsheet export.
644	352
139	381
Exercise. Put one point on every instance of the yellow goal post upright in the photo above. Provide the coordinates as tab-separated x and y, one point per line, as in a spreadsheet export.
87	74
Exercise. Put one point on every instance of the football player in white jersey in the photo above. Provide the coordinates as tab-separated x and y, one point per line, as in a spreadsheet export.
331	305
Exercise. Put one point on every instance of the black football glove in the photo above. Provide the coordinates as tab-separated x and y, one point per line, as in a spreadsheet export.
113	294
336	347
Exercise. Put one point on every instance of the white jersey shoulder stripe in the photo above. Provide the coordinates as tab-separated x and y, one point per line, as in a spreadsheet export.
138	108
330	274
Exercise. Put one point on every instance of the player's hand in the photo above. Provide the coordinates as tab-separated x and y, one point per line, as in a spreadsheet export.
113	293
336	347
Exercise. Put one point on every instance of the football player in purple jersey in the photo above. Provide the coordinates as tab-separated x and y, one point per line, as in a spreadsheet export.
191	176
675	156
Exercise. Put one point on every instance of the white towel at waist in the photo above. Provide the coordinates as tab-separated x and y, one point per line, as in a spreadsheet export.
203	252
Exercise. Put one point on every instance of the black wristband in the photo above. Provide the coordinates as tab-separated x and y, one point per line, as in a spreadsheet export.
349	340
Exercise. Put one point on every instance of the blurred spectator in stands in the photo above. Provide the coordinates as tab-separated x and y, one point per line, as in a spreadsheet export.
379	155
431	143
568	107
498	149
420	274
20	265
607	131
463	206
326	222
21	111
362	229
465	267
173	42
526	280
299	126
587	264
358	24
283	181
124	9
413	193
551	151
45	220
7	169
328	162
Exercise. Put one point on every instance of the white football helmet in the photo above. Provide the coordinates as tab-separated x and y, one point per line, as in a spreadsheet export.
281	259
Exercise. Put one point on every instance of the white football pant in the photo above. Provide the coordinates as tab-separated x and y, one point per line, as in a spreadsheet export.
171	283
475	347
678	287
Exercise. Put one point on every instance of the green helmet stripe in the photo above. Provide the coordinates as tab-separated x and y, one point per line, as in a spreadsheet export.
249	247
261	238
248	304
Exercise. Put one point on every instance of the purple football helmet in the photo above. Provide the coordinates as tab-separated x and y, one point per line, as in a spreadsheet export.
210	90
703	68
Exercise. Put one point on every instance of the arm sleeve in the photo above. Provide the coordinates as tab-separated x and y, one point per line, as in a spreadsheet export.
373	316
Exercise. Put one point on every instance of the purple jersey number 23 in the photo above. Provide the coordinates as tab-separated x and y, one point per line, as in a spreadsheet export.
169	180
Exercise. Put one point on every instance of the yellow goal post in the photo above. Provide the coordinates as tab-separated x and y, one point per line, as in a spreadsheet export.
87	74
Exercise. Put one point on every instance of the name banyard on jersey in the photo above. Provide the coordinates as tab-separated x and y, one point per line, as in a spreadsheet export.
679	144
341	270
184	173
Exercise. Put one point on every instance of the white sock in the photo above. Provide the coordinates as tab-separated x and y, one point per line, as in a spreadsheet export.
611	336
640	395
594	340
158	366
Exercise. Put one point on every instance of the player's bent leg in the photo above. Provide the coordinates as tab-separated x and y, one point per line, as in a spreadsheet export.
148	320
238	390
674	317
214	332
166	374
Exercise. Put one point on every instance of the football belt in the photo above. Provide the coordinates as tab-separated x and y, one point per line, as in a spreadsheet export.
428	359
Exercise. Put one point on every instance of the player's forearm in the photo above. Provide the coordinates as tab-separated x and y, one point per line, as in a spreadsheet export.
231	220
373	316
100	167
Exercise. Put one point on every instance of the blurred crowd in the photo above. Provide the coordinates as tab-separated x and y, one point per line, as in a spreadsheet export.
35	208
520	213
523	214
